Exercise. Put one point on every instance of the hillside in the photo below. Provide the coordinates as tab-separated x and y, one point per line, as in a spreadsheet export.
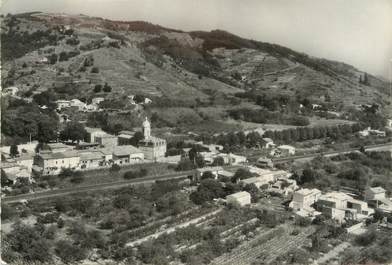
72	54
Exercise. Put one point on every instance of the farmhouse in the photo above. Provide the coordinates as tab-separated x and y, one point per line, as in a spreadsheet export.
127	154
106	140
52	163
61	104
286	149
92	133
214	170
304	198
241	198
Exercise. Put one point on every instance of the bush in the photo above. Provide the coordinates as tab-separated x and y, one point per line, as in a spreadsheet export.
69	252
107	88
135	174
115	168
95	70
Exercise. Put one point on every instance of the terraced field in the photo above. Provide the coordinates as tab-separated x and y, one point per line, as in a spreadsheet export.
267	245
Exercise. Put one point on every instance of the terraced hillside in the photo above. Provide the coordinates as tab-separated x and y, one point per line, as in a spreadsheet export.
140	57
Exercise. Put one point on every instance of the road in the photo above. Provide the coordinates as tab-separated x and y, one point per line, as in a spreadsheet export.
101	186
377	147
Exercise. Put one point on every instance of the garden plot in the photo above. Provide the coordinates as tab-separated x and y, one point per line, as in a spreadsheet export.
268	244
174	228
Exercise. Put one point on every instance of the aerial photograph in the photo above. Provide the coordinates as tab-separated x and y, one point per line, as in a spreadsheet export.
196	132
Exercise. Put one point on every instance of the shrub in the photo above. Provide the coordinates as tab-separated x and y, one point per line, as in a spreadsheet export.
95	70
69	252
115	168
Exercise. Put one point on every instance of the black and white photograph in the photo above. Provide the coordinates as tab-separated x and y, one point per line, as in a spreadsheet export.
196	132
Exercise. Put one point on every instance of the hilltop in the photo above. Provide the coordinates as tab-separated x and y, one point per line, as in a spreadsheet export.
186	74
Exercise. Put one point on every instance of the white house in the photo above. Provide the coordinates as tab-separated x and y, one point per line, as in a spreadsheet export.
78	104
13	90
269	143
93	133
96	101
304	198
53	163
214	170
374	193
61	104
286	149
241	198
127	154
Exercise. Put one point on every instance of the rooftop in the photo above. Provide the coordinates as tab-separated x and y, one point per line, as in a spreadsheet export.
123	150
204	169
308	191
377	189
94	155
152	139
60	155
239	195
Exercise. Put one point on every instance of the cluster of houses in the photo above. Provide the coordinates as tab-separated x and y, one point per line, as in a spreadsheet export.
102	150
368	131
340	206
80	105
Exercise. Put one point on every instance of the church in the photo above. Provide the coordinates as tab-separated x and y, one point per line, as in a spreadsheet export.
152	147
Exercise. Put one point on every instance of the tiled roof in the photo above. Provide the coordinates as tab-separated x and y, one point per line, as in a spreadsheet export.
123	150
60	155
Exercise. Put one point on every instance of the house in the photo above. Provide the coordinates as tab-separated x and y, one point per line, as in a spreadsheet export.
147	101
92	133
25	160
152	147
368	131
241	198
90	107
214	170
125	137
59	147
259	182
127	154
304	199
78	104
61	104
13	90
284	186
52	163
91	159
27	148
264	162
377	199
106	140
213	147
374	193
96	101
269	143
13	171
286	149
232	159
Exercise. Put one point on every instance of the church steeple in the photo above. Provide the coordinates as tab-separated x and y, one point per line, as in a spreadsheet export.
146	129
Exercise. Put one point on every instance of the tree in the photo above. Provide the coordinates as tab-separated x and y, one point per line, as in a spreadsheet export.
207	175
73	131
69	252
47	130
97	88
241	173
107	88
137	137
14	150
95	70
218	161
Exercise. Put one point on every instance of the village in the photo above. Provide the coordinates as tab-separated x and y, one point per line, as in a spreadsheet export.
127	142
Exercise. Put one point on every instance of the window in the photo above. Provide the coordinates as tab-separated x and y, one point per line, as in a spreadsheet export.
63	161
